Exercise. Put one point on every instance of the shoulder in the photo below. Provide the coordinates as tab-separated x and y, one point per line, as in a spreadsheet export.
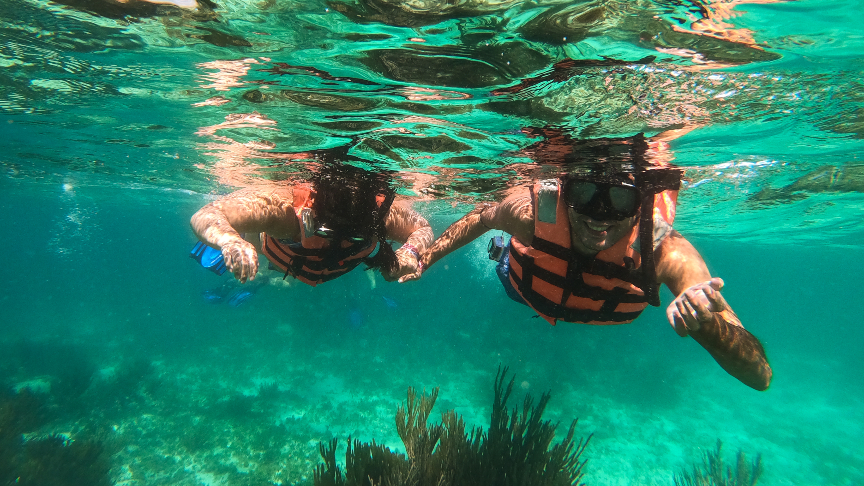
267	209
519	204
514	214
268	196
402	208
402	203
402	220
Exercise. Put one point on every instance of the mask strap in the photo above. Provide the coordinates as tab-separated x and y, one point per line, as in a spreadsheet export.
646	247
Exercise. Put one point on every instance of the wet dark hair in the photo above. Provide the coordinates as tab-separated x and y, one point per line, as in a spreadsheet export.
619	160
384	260
346	201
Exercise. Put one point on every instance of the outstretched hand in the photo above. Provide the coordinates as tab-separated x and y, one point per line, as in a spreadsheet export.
696	306
241	259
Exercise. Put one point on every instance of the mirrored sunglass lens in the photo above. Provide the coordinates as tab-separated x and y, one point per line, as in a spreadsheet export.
622	198
581	193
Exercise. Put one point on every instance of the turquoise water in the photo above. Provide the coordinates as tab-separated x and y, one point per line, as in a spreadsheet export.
119	120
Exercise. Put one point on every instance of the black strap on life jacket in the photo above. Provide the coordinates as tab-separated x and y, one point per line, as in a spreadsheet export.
651	182
650	287
574	284
334	258
557	311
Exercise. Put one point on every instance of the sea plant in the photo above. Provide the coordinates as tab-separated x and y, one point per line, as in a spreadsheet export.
515	450
21	412
714	472
57	461
54	460
268	390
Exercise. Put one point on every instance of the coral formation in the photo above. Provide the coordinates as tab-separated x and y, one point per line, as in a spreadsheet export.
514	451
713	472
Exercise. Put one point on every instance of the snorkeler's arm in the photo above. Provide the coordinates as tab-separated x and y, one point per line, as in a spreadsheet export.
408	227
514	215
220	224
700	311
412	230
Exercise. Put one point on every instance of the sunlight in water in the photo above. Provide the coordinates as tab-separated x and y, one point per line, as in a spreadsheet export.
131	354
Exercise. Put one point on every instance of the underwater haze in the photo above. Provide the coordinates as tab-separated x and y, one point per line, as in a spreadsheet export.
120	119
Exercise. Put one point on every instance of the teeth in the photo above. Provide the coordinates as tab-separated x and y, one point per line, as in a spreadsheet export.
596	227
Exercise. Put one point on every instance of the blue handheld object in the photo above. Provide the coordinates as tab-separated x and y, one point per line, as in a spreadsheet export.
209	258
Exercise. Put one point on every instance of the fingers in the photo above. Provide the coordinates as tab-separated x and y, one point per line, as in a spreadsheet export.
675	320
410	276
718	303
716	283
696	306
682	317
395	274
689	314
249	264
706	298
241	260
407	269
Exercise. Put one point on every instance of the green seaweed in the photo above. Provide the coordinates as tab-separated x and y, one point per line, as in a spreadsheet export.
714	472
269	391
55	460
21	412
58	461
514	451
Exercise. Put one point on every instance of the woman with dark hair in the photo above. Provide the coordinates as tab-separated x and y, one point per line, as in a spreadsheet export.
318	230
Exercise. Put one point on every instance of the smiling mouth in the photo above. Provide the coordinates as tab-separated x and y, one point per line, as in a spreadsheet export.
597	227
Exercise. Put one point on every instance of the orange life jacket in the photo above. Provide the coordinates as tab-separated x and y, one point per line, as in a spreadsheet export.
561	284
314	260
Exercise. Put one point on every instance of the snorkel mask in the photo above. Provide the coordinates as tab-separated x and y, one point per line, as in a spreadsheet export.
602	200
343	228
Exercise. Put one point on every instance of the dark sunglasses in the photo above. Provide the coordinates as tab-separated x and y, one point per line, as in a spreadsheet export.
602	201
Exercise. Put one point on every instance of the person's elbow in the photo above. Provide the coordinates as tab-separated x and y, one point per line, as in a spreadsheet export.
201	220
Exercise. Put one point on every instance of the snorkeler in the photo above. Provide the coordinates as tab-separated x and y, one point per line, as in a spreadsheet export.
316	231
576	253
